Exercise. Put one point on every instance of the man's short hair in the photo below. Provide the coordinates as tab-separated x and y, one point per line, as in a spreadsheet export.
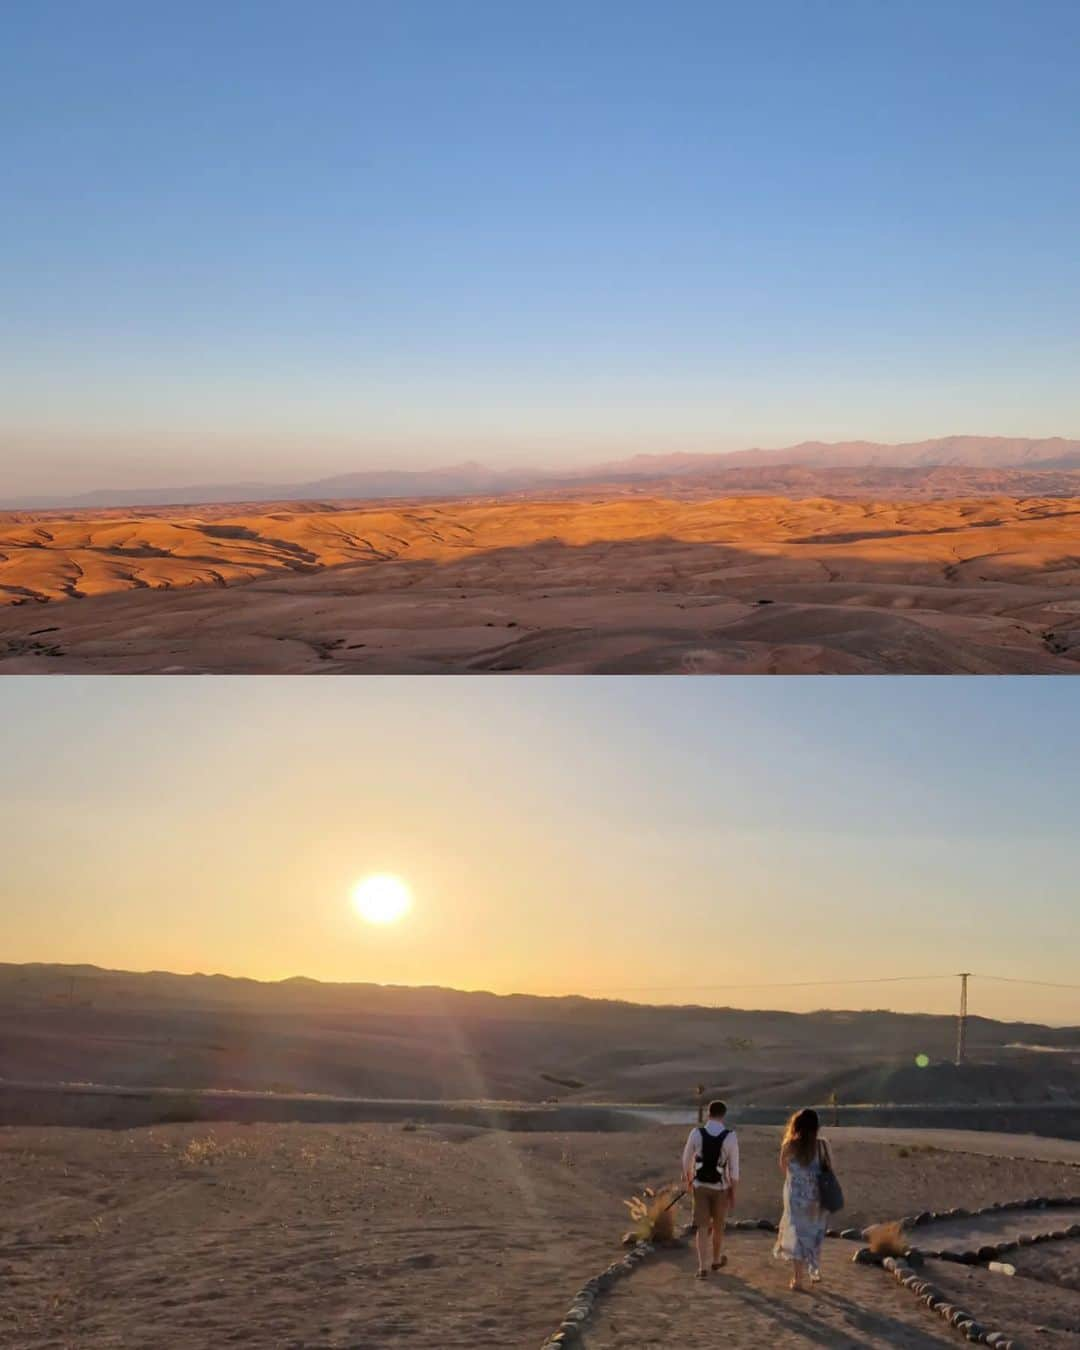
717	1109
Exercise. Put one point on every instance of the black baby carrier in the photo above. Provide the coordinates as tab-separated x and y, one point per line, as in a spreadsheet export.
711	1165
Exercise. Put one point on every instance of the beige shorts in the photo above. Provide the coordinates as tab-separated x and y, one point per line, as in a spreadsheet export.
710	1207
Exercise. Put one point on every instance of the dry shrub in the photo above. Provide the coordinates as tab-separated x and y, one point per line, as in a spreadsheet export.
653	1213
202	1149
887	1239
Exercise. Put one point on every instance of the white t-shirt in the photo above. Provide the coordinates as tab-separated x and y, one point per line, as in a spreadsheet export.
729	1153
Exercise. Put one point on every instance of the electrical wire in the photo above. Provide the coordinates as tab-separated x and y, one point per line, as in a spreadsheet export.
777	984
1012	979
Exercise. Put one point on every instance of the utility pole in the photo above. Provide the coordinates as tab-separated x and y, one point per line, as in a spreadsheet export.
961	1025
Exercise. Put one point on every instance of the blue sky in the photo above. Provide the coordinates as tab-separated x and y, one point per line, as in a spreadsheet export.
593	836
277	240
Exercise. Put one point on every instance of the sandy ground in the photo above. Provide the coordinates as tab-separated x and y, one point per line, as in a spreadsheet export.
748	1305
1035	1313
739	585
1055	1262
373	1235
1029	1146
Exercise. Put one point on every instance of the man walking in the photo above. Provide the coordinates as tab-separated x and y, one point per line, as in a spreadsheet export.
710	1164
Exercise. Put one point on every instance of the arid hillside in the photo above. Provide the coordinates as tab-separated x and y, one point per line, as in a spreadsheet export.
616	584
65	1024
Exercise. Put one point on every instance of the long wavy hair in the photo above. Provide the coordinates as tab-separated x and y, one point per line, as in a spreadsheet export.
801	1136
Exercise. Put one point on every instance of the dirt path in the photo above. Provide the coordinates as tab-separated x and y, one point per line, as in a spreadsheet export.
749	1305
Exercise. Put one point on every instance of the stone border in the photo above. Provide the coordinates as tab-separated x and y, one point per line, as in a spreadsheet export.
904	1272
999	1207
972	1256
959	1318
569	1330
991	1251
988	1252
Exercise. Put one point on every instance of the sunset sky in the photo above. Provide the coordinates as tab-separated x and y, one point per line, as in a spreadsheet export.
273	241
638	838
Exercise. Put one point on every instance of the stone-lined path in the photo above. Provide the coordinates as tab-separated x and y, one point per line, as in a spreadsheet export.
748	1305
969	1234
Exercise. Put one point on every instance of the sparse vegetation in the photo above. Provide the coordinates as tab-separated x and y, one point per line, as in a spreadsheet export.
202	1149
887	1239
653	1213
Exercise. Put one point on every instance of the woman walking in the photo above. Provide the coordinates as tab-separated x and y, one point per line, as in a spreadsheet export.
802	1229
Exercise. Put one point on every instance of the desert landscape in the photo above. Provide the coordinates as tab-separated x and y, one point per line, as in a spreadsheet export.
627	583
428	339
81	1024
422	1235
189	1160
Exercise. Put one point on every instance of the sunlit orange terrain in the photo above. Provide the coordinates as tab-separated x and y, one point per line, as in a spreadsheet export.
605	584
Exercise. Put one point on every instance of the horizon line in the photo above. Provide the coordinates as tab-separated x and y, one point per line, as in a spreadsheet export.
41	500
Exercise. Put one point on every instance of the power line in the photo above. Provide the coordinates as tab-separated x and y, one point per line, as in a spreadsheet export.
1012	979
773	984
962	976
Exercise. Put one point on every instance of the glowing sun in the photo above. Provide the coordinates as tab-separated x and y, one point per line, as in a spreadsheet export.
382	899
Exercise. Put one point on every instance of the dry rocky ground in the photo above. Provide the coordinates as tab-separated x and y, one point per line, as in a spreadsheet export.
617	584
384	1236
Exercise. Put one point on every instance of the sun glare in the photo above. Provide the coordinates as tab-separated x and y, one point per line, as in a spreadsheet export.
382	899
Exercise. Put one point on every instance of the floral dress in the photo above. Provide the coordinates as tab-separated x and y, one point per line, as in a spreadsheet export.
802	1229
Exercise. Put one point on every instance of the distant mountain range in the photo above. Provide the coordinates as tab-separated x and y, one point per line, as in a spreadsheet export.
81	1023
745	470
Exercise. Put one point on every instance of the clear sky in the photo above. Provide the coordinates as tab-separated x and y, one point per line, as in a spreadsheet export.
644	838
276	240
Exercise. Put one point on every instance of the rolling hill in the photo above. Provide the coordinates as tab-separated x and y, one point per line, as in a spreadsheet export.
84	1024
